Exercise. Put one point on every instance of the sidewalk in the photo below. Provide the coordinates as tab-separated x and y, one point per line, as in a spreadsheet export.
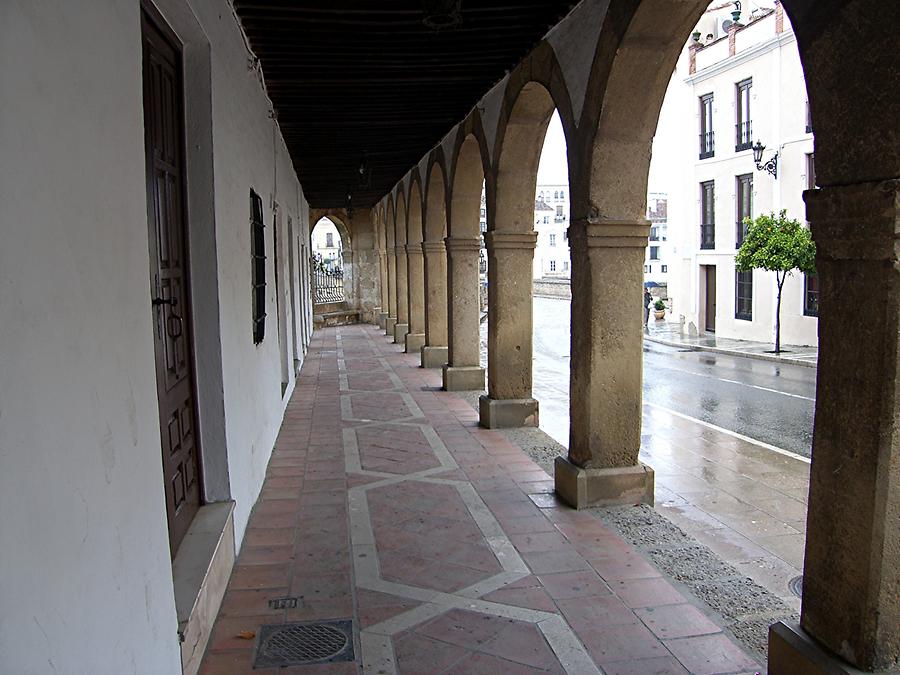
668	333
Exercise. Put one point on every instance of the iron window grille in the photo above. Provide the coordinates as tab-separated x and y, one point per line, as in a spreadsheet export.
707	215
744	204
707	136
743	301
258	267
743	127
811	295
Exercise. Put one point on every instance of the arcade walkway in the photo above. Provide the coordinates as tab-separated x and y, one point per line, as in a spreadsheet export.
385	503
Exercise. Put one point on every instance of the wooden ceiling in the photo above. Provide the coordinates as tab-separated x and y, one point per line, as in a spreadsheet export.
363	78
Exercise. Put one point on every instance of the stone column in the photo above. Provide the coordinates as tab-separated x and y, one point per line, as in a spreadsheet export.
463	370
851	576
606	367
383	288
508	402
391	318
415	338
401	327
434	353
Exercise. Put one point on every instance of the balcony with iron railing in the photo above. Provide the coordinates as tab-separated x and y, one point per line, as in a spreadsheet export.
328	285
707	144
707	235
743	136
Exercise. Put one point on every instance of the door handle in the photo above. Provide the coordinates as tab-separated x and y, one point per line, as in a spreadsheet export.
173	301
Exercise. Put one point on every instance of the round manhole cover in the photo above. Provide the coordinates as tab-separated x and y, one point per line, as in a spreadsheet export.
298	643
795	586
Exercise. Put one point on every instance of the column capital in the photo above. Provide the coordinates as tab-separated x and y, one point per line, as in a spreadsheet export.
463	243
400	249
594	233
855	222
433	247
415	249
510	240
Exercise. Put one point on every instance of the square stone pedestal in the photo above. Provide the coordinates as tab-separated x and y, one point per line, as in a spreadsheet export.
507	413
389	323
400	331
792	651
434	357
582	488
414	342
382	320
463	378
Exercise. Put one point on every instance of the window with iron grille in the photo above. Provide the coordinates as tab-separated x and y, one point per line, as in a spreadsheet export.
811	294
665	268
553	240
258	269
810	171
552	265
707	215
743	132
744	204
707	136
743	300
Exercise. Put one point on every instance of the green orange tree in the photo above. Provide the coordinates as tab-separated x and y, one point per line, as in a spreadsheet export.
777	244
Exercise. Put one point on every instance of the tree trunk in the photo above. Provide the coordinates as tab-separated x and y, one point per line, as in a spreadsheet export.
780	282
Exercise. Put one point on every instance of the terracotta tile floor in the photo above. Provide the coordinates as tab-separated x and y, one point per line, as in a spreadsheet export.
386	504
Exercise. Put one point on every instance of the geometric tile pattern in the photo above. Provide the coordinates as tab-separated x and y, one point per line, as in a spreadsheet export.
385	502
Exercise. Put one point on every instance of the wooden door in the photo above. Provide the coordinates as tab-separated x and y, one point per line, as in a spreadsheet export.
169	289
710	288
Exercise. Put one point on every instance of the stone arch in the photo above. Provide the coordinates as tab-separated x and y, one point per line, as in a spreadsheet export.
414	207
465	194
415	339
340	219
400	218
435	222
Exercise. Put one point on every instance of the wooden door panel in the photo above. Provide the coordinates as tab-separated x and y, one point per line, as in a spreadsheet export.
169	283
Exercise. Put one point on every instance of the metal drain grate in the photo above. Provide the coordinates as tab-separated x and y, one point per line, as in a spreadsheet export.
795	586
296	644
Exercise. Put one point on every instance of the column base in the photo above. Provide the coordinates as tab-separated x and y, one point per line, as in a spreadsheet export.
414	342
382	320
434	357
507	413
389	325
582	488
400	331
792	650
463	378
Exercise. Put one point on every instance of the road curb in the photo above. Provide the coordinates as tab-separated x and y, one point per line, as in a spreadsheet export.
733	352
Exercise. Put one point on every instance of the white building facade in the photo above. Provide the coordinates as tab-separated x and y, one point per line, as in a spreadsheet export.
327	244
739	84
657	257
551	222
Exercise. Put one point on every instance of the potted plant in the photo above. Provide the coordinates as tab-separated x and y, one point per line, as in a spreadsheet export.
659	308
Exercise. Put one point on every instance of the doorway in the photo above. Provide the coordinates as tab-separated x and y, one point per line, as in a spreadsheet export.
708	273
169	276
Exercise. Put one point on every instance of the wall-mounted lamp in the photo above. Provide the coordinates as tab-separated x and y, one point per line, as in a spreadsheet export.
771	165
442	14
736	12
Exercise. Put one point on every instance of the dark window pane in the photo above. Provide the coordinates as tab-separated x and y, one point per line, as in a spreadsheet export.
707	215
743	302
811	294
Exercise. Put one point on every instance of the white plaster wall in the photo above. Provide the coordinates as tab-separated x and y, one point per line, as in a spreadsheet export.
85	575
245	158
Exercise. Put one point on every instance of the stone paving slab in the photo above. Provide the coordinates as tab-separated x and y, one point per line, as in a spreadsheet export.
388	505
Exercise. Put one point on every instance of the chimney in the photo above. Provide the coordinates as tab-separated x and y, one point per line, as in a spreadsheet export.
693	48
779	17
732	34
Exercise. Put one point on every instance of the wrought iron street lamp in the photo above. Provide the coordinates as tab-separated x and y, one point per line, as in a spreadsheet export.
770	165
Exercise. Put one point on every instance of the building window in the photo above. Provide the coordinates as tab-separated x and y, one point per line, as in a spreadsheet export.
553	240
483	226
665	268
646	269
707	215
329	240
811	294
483	213
559	211
258	267
808	119
743	300
556	195
744	133
565	265
552	265
562	194
744	204
565	235
546	220
810	171
707	136
654	253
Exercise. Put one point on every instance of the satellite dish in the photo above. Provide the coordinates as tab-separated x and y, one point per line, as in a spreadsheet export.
726	24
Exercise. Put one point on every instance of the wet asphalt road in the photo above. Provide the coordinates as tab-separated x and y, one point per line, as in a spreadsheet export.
766	401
